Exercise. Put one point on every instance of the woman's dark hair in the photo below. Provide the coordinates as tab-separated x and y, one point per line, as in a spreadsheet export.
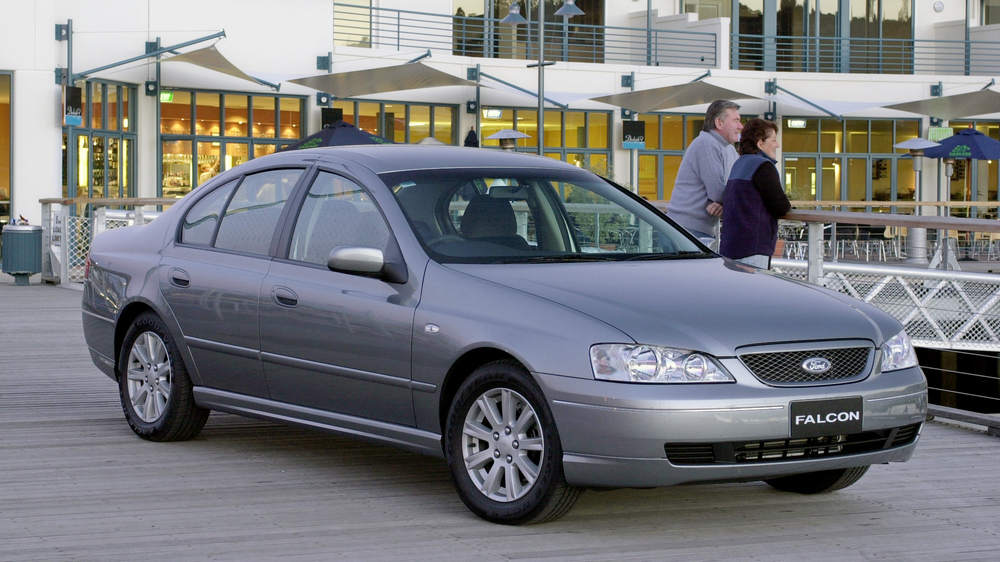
755	130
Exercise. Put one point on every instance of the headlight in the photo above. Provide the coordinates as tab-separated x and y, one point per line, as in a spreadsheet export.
650	363
898	353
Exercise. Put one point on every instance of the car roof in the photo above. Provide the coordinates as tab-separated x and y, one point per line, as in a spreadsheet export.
385	158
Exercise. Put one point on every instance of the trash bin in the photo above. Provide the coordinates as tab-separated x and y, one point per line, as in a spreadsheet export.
22	252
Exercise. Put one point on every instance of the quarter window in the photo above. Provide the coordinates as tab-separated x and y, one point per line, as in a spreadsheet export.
337	212
200	222
252	214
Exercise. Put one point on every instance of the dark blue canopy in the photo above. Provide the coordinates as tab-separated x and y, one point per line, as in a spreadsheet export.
338	133
968	143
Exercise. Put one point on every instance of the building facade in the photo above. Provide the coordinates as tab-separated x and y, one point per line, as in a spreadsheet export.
168	94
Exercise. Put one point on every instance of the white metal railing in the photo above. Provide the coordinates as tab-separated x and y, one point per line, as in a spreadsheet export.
66	237
939	309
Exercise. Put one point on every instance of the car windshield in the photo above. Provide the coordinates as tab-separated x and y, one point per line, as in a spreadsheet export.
532	216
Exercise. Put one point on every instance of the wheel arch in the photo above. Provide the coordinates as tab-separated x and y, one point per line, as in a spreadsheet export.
125	319
461	369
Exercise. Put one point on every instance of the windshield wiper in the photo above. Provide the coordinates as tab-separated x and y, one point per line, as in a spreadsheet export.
672	256
563	258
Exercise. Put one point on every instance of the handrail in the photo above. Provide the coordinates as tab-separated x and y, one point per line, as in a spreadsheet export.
109	201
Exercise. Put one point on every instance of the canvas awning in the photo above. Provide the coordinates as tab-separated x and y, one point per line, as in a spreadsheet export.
670	97
409	76
952	107
210	58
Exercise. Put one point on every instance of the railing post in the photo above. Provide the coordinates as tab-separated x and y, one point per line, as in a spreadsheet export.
814	271
64	244
100	221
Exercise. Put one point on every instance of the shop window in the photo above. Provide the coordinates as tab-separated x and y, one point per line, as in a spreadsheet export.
347	107
368	117
236	116
553	128
831	181
209	161
652	130
5	147
799	135
96	106
527	123
597	129
493	121
177	168
649	177
856	135
831	136
290	118
420	122
264	124
694	125
113	122
445	122
906	130
175	113
576	129
206	114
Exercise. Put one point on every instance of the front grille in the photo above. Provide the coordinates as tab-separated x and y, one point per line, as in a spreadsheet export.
790	449
785	367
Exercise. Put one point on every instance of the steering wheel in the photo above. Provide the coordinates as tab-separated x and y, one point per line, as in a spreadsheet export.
444	238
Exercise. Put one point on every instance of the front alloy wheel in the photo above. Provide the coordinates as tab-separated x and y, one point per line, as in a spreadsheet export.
503	449
502	445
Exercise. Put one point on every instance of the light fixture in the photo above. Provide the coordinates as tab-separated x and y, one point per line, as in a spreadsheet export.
796	123
514	18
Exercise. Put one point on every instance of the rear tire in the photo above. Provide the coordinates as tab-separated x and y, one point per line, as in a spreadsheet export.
503	449
156	391
818	482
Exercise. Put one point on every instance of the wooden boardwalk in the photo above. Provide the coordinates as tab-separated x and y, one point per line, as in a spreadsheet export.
76	484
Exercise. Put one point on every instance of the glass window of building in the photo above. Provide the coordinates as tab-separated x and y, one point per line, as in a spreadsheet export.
5	147
228	127
352	23
666	138
402	122
990	12
98	158
581	138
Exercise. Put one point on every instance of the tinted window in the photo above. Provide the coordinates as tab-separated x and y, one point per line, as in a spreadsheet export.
336	212
200	222
252	215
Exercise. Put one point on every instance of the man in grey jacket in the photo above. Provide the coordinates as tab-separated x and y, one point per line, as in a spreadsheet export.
696	202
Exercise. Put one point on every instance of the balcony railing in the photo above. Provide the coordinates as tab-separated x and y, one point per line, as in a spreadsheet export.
362	26
864	56
382	28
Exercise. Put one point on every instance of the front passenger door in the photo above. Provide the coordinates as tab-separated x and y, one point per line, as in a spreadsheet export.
335	341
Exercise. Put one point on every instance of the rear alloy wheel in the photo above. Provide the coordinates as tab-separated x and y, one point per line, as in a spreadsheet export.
155	388
818	482
503	449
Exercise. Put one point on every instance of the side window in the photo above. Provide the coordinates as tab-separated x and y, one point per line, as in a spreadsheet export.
252	215
200	222
336	212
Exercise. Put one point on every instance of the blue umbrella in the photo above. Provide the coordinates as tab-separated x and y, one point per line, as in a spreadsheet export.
968	143
338	133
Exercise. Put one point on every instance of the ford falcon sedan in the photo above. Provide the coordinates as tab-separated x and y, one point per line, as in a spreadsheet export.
539	328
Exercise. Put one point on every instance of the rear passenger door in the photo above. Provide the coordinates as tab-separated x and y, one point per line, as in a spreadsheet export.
211	276
336	341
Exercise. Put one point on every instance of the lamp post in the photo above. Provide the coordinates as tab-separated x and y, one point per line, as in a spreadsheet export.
514	18
916	238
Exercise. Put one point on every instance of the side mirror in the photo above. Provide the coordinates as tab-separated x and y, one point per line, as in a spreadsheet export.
370	262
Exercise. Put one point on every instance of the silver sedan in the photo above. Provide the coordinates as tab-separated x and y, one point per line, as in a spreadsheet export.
536	326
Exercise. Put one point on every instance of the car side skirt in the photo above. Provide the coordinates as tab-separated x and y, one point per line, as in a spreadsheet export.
403	437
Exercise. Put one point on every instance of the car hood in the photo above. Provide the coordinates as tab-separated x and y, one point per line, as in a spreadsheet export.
710	305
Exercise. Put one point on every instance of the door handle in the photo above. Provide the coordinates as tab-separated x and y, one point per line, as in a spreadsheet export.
180	278
283	296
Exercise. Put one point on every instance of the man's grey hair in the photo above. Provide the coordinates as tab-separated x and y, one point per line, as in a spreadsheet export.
716	110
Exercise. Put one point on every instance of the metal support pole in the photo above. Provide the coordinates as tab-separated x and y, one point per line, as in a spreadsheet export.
814	271
541	77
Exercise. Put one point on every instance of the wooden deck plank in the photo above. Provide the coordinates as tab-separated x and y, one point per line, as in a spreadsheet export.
76	484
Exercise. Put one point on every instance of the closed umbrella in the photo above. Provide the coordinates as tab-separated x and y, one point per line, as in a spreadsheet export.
339	133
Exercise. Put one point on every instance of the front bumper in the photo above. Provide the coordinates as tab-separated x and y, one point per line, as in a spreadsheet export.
614	434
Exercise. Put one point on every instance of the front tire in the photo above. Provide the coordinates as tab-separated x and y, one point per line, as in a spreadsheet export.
503	449
818	482
156	391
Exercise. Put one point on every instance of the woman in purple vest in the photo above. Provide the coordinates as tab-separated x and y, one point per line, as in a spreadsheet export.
754	198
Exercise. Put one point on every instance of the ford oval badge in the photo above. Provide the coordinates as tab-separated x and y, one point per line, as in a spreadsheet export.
816	365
